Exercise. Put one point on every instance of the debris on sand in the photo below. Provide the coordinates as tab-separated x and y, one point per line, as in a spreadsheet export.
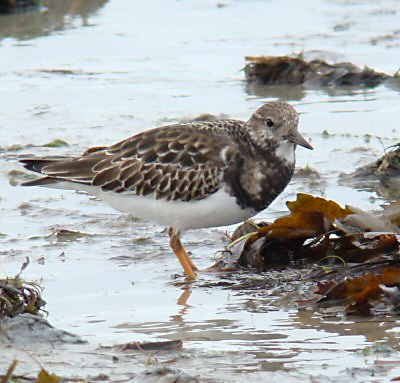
21	307
388	165
65	235
382	176
18	296
55	143
158	372
161	374
285	70
309	176
168	345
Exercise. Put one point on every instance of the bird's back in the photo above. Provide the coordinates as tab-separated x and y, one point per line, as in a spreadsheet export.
176	162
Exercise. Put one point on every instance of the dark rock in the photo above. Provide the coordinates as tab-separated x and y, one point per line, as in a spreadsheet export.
32	330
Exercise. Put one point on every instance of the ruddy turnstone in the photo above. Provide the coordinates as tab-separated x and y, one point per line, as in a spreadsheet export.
187	176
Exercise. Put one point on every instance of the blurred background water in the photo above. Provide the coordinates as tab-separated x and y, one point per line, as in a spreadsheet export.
93	72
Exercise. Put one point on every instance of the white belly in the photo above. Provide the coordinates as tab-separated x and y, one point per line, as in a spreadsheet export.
220	209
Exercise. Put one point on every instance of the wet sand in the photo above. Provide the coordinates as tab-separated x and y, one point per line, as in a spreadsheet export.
95	75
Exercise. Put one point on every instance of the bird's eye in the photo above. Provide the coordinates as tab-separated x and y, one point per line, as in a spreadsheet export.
269	122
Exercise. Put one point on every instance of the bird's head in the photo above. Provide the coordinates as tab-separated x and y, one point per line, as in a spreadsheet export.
275	123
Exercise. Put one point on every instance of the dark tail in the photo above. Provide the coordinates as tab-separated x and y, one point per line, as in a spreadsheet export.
36	165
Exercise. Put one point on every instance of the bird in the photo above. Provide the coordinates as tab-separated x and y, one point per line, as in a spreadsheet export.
187	176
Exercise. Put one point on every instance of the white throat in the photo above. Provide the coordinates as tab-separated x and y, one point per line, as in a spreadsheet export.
285	151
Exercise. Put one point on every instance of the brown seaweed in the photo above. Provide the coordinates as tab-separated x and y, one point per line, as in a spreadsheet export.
285	70
316	229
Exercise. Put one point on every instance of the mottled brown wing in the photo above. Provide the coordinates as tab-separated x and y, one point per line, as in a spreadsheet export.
178	162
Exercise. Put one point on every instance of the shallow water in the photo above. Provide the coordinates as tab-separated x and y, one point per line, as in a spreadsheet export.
93	72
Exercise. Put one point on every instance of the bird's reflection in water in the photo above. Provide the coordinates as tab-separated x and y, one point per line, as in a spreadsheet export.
183	305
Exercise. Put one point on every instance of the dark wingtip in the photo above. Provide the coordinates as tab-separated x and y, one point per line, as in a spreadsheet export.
37	164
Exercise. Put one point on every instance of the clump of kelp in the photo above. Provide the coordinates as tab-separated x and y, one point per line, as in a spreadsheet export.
286	70
353	255
18	296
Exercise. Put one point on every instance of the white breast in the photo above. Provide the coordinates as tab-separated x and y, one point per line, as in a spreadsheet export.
285	151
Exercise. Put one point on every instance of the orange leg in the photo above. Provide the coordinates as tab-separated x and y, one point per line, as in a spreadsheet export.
181	254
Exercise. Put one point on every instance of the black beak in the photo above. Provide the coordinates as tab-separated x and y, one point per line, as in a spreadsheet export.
298	139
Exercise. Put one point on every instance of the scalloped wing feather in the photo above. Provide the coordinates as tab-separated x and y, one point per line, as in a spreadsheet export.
175	162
